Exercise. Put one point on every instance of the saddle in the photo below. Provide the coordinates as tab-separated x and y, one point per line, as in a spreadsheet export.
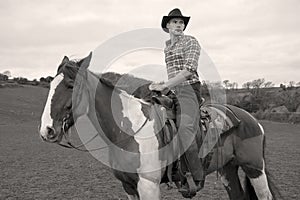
215	120
217	117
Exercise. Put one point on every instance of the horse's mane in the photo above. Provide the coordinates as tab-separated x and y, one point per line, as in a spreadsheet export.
137	87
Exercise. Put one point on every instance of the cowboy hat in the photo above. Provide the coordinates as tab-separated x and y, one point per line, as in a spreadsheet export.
175	13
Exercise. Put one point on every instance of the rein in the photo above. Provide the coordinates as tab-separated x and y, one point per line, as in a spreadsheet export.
71	146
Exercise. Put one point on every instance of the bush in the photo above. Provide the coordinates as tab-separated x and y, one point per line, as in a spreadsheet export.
294	118
260	114
279	117
3	77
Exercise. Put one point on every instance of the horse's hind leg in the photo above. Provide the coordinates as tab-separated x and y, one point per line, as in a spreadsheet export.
231	181
259	182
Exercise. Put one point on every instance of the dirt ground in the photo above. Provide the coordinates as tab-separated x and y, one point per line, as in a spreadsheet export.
32	169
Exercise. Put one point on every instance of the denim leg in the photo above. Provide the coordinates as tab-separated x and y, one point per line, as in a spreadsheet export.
187	119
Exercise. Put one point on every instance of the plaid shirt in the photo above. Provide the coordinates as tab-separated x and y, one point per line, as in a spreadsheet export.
183	54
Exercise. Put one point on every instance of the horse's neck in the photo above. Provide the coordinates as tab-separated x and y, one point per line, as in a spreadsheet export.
92	82
120	121
118	114
91	85
105	106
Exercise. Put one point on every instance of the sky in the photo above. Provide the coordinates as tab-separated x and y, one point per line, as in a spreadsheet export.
243	40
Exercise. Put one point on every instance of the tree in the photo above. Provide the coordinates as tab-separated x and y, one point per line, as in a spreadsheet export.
21	80
292	84
216	92
7	73
35	82
48	79
258	83
226	83
268	84
282	86
229	86
235	85
247	85
3	77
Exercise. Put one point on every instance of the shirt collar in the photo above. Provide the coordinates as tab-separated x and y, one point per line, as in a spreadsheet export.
168	42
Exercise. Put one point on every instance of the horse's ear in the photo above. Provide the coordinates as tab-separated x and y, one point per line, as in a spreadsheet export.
65	59
85	62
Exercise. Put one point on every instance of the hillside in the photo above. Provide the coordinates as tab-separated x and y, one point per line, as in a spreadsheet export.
22	102
275	104
265	98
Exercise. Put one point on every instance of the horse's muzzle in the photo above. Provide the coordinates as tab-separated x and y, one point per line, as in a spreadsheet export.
49	135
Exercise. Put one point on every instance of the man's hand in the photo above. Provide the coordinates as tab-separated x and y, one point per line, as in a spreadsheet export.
160	86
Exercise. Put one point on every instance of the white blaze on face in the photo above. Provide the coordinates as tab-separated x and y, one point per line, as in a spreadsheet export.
150	164
46	120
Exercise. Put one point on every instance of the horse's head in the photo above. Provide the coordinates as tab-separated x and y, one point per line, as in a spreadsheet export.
58	115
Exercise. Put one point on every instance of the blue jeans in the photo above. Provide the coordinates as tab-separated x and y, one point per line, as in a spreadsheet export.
187	121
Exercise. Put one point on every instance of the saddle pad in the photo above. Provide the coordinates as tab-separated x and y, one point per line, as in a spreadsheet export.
222	119
222	114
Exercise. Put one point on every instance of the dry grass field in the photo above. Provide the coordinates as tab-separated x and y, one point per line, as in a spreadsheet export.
32	169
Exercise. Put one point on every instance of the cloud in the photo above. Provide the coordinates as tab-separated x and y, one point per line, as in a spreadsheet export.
245	39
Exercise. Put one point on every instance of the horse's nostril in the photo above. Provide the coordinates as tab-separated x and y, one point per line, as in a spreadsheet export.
43	138
51	132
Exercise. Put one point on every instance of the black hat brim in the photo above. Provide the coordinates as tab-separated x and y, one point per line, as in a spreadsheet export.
166	19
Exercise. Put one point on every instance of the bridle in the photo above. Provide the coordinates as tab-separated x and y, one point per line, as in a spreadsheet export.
68	122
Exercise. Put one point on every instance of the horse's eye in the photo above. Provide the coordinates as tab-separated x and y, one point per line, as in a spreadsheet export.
69	83
68	107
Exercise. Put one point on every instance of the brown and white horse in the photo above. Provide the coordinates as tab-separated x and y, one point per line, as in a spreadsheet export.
132	136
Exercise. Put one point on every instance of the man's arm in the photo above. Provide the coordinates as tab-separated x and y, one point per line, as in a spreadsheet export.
179	78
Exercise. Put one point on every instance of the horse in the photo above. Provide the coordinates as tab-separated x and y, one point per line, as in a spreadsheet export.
134	154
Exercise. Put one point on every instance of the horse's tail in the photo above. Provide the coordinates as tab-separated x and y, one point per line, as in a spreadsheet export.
249	190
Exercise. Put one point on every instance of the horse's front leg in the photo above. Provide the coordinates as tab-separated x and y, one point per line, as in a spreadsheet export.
148	189
132	197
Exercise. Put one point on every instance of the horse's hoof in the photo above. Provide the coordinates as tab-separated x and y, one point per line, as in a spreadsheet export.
187	195
171	186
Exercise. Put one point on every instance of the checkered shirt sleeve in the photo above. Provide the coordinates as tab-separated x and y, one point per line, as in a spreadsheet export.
192	54
183	54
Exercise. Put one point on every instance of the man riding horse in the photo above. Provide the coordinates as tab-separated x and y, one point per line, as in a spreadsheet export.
181	56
